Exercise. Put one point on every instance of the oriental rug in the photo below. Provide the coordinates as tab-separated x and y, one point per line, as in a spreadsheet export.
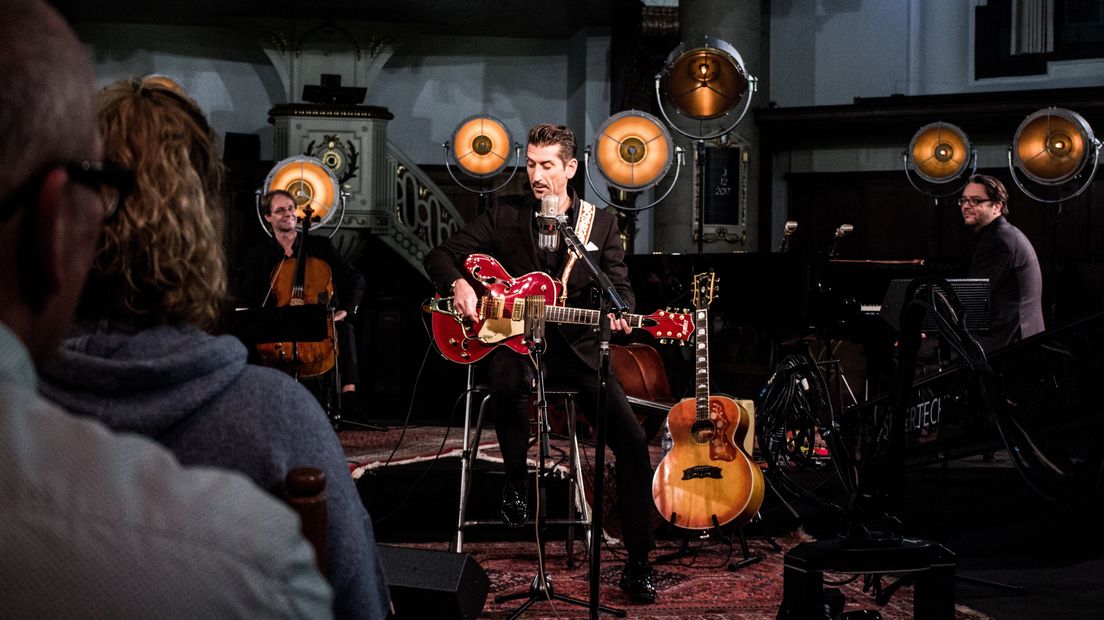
698	586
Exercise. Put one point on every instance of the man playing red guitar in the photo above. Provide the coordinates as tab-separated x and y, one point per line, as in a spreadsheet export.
508	231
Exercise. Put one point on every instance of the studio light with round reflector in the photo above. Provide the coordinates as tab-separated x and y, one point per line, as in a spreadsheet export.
939	152
480	147
941	156
708	90
634	152
1052	147
310	182
705	82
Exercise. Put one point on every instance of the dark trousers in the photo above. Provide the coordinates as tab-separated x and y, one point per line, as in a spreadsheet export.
347	352
512	378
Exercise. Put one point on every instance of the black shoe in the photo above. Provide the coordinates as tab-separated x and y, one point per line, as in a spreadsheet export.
636	581
515	507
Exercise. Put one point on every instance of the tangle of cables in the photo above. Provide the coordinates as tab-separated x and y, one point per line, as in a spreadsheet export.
794	406
792	402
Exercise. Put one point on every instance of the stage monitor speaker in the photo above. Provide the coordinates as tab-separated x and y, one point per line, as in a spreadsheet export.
434	584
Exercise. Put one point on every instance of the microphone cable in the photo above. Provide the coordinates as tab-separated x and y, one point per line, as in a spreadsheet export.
406	424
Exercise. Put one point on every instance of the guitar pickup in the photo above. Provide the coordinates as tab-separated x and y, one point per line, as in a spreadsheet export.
491	307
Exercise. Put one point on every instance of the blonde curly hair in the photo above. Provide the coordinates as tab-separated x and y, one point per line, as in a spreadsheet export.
161	261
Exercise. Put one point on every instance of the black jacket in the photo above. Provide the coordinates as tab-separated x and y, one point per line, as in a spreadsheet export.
1004	255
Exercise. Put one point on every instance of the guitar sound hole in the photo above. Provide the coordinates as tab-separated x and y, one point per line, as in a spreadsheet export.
703	431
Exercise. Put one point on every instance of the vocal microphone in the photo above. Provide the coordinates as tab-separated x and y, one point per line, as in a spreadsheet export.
841	232
548	232
788	230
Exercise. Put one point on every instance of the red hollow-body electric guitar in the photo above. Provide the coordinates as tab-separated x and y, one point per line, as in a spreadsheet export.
502	308
707	480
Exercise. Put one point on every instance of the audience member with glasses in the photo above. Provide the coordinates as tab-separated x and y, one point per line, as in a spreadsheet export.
260	274
99	524
1003	254
143	358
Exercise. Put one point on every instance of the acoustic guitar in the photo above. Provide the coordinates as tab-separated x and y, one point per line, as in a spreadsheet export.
707	480
502	308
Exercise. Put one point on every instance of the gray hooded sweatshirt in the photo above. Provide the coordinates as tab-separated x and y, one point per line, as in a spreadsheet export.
195	394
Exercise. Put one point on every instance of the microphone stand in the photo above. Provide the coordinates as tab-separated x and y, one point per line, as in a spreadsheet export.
541	588
611	302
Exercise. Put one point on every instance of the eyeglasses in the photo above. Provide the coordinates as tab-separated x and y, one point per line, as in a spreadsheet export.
112	181
973	200
283	210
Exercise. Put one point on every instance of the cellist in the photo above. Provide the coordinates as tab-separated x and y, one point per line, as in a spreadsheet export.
260	273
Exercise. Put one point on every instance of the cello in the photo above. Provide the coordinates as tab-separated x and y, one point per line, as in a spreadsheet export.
296	281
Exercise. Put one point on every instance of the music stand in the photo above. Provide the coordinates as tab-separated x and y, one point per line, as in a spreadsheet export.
306	323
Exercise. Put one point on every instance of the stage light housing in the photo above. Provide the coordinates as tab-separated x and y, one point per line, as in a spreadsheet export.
481	146
705	84
939	153
706	81
633	150
310	182
1052	146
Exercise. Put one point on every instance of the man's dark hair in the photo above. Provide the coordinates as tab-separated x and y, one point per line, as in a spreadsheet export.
546	134
266	200
994	190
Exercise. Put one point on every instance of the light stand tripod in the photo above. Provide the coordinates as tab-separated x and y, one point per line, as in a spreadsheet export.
541	588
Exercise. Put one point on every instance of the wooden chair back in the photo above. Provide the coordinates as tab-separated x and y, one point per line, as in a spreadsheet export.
305	492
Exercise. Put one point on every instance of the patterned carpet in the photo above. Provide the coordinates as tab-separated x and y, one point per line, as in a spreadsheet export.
700	587
697	587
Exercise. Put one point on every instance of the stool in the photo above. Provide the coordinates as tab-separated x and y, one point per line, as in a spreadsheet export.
577	504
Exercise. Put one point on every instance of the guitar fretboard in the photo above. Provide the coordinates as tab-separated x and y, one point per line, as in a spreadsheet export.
577	316
701	363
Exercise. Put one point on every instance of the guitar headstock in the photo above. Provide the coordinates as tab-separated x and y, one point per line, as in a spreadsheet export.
671	326
706	288
667	325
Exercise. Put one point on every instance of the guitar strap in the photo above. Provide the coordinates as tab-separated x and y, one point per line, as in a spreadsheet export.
582	230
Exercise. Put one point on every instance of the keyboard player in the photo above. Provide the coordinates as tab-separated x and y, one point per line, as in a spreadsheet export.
1005	256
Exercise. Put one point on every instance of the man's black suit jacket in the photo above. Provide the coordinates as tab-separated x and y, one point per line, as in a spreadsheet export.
1004	255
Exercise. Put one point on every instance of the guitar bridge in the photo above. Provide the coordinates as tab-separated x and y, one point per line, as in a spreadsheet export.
701	471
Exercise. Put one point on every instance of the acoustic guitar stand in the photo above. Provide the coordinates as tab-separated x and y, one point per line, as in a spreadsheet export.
684	549
748	558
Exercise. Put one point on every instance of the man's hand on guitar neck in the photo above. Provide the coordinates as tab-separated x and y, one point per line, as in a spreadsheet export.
464	299
619	325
